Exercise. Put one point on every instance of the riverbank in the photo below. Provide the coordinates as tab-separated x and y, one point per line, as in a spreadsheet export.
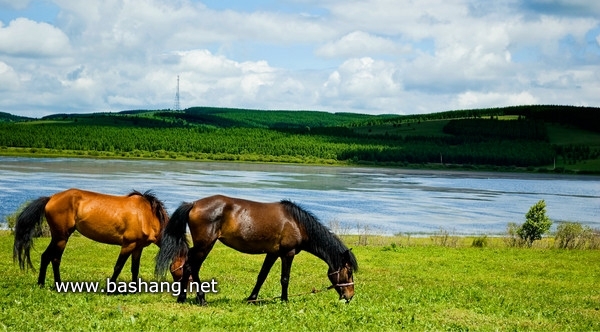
294	160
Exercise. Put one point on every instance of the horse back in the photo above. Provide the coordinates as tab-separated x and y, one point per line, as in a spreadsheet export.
102	217
247	226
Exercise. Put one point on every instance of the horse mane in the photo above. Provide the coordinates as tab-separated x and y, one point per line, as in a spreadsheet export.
322	242
157	206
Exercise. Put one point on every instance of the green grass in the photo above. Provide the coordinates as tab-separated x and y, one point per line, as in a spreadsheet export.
415	287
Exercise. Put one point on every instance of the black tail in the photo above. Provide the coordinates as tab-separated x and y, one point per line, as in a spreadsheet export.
173	243
28	224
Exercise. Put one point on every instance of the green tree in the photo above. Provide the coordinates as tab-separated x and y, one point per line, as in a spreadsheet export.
536	223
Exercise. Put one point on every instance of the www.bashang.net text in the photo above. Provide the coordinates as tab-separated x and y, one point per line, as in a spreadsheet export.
139	286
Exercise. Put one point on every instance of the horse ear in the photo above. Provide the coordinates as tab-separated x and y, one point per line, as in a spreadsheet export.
347	254
350	260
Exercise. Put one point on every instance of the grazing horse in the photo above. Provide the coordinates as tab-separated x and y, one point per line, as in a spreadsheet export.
133	221
279	230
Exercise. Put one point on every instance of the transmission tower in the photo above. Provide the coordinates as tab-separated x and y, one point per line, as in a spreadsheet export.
177	106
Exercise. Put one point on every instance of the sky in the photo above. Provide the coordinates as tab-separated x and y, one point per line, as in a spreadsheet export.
371	56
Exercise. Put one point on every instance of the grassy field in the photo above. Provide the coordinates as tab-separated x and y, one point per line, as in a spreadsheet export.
411	285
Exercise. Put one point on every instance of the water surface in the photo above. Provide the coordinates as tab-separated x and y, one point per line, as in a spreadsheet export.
377	200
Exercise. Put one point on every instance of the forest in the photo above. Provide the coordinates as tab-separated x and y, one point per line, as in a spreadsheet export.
522	138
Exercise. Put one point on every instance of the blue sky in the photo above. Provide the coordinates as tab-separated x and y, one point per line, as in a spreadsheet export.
370	56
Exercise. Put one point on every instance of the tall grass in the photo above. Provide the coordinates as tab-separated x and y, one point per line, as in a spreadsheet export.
420	286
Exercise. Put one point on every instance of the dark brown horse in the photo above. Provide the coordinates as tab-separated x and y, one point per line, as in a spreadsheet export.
279	230
133	221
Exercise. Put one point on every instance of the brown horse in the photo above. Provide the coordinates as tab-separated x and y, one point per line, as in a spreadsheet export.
279	230
133	221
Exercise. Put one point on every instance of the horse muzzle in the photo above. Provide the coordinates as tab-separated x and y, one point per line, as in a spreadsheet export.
346	297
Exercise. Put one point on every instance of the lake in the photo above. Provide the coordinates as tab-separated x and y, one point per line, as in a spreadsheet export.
350	199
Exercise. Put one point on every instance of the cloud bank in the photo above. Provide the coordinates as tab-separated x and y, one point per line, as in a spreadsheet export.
376	56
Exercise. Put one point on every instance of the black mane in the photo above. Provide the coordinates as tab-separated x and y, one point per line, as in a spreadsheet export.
322	242
157	206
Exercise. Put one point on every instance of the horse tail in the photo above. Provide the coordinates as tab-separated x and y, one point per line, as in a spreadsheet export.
174	242
27	227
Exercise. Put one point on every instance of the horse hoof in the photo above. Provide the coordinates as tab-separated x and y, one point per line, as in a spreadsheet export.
201	301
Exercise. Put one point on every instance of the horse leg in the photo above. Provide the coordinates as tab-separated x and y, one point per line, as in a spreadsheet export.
60	249
195	266
195	273
46	257
136	256
183	282
286	266
192	268
262	276
53	253
123	256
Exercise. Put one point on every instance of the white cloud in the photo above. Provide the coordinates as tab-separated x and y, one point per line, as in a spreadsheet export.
472	99
23	37
202	73
359	43
9	80
364	84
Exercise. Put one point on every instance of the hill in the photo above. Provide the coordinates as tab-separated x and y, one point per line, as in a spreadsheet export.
216	117
228	117
534	138
6	117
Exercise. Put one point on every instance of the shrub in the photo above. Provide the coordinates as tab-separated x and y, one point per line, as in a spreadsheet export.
572	235
338	228
392	247
480	241
594	239
444	239
513	239
363	237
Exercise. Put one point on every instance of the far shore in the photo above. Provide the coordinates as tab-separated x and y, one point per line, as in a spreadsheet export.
474	171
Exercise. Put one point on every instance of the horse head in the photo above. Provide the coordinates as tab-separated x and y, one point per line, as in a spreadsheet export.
341	279
177	268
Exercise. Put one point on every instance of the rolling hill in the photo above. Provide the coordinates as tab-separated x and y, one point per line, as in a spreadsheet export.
534	138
